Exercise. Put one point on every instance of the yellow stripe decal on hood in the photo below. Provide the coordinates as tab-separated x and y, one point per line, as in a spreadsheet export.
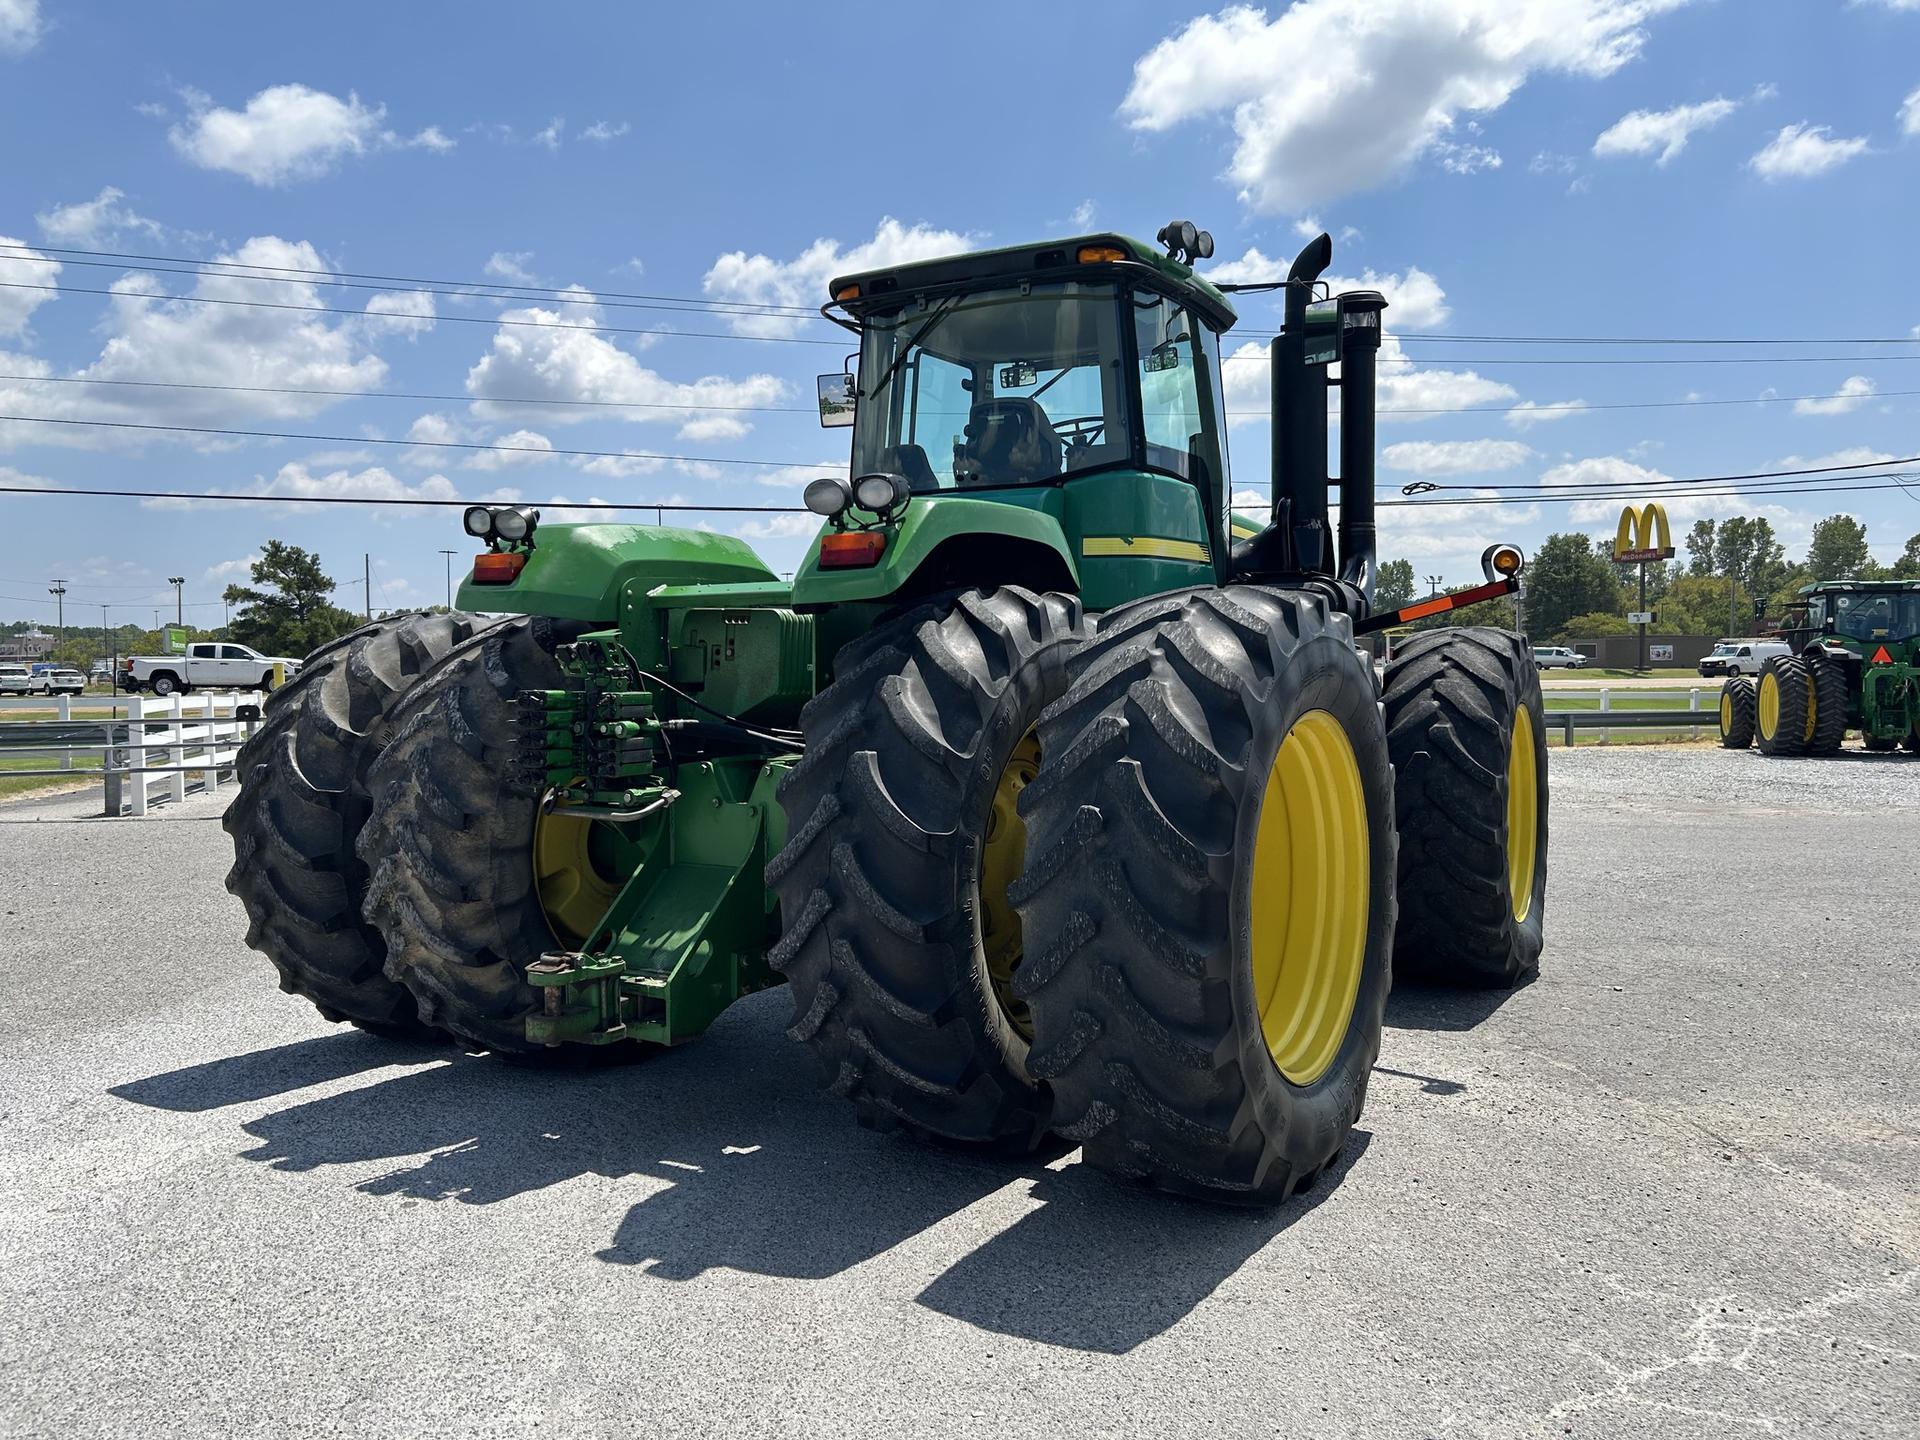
1142	547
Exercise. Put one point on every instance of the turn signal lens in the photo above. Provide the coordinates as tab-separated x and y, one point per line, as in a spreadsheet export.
847	292
1101	254
1501	561
852	550
495	568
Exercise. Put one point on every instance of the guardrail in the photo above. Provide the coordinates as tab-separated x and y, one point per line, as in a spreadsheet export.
195	738
1606	718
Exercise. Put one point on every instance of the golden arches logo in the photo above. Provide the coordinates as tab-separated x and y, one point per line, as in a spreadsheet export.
1643	534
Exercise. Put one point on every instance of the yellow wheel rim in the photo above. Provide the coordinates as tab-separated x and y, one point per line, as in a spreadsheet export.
1523	814
1726	714
1769	704
574	892
1003	854
1813	709
1310	896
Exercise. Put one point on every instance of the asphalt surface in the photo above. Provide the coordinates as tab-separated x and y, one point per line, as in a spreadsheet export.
1672	1188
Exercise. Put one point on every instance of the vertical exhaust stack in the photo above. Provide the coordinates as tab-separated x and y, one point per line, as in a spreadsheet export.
1300	421
1360	319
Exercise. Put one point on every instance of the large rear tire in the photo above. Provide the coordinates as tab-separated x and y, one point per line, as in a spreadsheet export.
1784	707
902	840
1208	897
1467	733
1736	713
449	841
1828	696
302	803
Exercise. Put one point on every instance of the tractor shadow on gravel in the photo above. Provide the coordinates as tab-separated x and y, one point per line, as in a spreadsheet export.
733	1160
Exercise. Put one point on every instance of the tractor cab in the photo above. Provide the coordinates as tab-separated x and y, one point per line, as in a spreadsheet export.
1859	615
1077	381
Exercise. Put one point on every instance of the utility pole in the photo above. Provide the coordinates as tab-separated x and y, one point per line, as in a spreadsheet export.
449	554
179	606
59	592
366	581
113	645
1733	610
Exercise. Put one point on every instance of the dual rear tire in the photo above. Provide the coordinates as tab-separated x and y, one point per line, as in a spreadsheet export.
1205	908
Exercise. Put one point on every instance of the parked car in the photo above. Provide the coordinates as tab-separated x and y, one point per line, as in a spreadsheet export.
1741	657
58	681
1558	657
15	680
206	665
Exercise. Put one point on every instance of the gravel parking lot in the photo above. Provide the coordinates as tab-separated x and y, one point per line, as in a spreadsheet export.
1672	1188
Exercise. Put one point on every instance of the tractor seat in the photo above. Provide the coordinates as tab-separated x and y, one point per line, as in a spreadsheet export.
1008	442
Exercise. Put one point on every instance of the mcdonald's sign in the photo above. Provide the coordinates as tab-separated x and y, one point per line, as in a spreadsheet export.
1643	535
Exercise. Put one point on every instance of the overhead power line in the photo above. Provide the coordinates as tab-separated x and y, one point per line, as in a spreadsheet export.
247	270
407	444
481	289
1557	408
406	500
422	319
1426	487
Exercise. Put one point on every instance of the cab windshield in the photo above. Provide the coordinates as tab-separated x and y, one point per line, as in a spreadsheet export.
993	388
1874	617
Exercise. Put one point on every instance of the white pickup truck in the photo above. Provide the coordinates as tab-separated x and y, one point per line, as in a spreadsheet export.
206	665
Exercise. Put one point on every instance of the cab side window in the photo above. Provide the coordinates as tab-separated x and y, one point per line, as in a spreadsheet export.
1169	388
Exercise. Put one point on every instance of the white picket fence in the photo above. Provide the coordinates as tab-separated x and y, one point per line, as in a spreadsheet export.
198	743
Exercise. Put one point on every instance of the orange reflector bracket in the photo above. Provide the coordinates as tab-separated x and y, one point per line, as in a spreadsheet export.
498	567
1439	605
1101	255
852	549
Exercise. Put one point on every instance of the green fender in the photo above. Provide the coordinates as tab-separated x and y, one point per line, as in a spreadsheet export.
577	572
931	521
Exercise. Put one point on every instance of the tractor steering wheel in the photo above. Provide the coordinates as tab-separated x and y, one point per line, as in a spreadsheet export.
1081	430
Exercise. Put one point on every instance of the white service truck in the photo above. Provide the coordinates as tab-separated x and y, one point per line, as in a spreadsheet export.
206	665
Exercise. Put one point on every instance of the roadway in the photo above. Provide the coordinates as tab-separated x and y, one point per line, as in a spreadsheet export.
1672	1188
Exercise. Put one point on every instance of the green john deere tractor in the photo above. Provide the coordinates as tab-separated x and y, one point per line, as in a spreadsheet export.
1854	665
1059	798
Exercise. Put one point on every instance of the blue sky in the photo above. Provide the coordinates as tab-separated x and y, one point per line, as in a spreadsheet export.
1501	167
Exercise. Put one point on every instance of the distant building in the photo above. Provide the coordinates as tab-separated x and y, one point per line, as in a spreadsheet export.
28	645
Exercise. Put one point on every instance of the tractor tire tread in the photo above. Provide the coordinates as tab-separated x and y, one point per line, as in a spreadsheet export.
302	803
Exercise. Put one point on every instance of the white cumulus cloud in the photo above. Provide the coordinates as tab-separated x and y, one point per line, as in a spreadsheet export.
286	132
1329	98
296	480
562	358
152	334
518	447
760	279
401	312
1854	392
1455	457
1527	414
100	221
1801	151
1910	114
1642	132
24	266
19	26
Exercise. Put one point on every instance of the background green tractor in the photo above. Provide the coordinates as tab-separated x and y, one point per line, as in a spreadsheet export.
1060	800
1855	666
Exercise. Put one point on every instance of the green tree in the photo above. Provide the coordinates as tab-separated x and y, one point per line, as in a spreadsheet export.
1700	541
1393	587
1839	549
80	649
1700	605
286	610
1569	575
1907	567
1788	590
1591	626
